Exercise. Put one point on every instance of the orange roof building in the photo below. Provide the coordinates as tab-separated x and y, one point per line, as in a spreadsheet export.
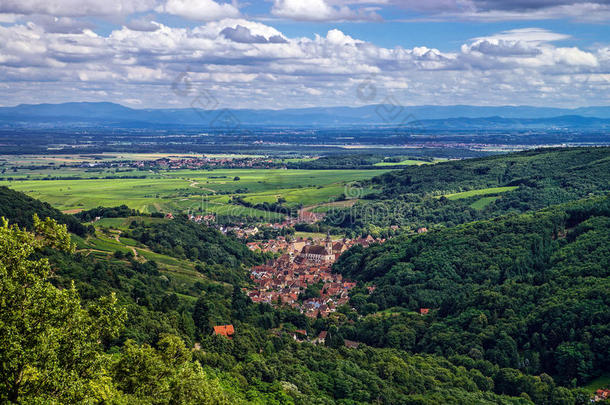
224	330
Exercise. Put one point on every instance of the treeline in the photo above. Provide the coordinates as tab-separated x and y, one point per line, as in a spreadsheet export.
122	211
59	349
186	239
74	178
560	166
19	209
350	161
528	292
412	197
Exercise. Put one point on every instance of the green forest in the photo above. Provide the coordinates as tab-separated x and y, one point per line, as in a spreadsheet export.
456	192
517	296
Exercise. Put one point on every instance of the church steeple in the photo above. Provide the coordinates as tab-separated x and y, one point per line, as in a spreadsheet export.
329	244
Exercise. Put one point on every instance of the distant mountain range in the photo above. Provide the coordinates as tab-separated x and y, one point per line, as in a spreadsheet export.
84	114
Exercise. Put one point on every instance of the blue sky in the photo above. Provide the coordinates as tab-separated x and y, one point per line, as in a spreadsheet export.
297	53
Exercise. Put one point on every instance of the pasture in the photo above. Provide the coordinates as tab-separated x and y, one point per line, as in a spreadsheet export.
483	202
206	191
480	192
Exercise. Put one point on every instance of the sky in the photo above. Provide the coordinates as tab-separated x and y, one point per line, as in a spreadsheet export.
304	53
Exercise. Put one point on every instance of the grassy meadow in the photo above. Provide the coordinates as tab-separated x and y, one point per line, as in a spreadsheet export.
195	190
480	192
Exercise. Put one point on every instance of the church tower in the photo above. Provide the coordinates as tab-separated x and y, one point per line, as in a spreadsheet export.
329	244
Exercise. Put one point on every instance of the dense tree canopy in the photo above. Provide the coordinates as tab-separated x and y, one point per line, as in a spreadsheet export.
529	292
517	305
414	197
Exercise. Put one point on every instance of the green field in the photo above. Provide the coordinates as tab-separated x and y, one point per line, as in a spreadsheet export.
480	192
600	382
197	190
483	202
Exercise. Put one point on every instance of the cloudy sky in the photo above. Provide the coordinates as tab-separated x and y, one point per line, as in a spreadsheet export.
299	53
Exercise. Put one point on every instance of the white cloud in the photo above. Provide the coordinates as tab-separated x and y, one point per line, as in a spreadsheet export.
8	18
320	10
529	47
532	35
235	59
145	23
75	8
499	10
201	10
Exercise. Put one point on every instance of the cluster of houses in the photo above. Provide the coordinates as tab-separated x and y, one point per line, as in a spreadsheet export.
206	219
293	247
601	395
190	162
303	263
205	162
240	231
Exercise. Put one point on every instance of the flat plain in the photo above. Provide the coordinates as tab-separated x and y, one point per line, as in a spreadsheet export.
189	190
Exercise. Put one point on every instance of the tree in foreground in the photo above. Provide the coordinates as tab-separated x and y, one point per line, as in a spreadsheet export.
49	344
51	347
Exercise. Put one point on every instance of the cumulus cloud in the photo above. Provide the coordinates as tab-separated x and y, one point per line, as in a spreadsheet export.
244	35
142	24
202	10
320	10
60	25
75	8
8	18
529	47
244	64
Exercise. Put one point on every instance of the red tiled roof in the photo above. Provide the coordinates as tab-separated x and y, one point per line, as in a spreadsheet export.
224	330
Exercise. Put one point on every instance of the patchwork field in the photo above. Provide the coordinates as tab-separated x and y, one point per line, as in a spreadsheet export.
199	190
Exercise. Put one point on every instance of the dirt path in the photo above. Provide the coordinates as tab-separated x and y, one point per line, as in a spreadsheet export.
117	237
195	184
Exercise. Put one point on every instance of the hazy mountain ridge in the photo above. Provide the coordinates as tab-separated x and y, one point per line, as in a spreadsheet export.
426	117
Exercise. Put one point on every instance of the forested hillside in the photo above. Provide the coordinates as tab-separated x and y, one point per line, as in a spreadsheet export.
517	315
121	344
183	238
529	292
19	209
457	192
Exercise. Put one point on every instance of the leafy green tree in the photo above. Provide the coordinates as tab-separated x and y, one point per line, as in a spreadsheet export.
49	344
166	375
201	316
333	338
574	361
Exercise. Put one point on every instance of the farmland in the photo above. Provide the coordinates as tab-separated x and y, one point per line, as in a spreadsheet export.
194	190
480	192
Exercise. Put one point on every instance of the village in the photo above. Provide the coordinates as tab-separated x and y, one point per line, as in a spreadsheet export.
192	162
301	276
